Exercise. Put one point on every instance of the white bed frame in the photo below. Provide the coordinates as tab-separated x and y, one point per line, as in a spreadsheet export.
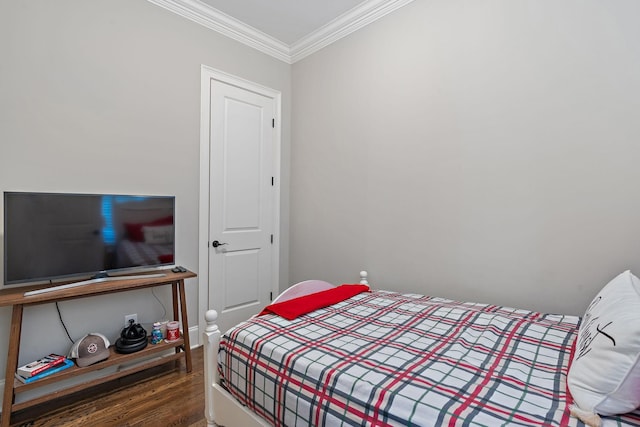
221	408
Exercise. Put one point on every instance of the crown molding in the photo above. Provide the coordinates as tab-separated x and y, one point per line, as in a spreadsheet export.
345	24
226	25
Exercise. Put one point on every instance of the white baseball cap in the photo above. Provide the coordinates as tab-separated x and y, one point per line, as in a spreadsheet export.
91	348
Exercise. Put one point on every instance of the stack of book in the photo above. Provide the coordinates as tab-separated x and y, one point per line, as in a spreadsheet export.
42	368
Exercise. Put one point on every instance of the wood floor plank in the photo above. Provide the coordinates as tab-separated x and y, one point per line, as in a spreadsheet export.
161	396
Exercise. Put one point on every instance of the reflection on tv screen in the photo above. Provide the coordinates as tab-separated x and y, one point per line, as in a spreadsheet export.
56	235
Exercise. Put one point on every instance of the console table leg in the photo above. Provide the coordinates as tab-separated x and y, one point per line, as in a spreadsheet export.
174	291
174	298
12	363
185	325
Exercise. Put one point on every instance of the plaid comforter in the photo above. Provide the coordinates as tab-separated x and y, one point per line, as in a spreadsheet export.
389	359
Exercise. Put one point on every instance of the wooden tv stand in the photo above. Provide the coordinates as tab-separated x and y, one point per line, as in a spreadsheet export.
17	299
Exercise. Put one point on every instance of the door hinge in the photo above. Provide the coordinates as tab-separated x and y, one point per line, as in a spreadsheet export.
270	296
272	239
273	123
272	181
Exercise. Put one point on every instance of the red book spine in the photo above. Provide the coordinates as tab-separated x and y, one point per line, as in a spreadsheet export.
55	362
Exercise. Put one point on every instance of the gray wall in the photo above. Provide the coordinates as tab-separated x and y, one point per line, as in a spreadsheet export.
104	96
481	151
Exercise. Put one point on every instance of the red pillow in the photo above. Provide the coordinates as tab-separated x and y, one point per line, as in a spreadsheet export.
134	231
290	309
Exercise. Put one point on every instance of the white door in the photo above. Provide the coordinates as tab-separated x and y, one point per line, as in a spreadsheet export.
241	201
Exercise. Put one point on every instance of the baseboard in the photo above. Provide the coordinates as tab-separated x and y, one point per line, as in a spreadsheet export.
194	336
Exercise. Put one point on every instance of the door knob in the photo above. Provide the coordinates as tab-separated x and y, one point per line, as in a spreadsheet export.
215	244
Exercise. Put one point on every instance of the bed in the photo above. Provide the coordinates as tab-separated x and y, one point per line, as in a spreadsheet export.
380	358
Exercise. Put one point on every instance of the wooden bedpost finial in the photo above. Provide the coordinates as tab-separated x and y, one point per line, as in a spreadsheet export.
210	317
363	277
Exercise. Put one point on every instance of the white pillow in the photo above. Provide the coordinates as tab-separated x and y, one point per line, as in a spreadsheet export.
158	234
604	377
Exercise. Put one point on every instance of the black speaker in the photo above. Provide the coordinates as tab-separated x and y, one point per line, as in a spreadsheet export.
132	338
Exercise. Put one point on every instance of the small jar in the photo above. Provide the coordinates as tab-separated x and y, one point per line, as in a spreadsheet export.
173	333
156	334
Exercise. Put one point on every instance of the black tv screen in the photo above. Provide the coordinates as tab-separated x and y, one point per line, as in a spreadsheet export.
55	236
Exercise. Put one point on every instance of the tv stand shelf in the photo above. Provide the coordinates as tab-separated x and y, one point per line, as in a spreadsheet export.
17	299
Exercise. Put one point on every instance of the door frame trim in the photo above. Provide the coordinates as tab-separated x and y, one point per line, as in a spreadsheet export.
206	75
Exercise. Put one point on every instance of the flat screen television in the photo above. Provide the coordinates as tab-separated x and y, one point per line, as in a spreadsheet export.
54	237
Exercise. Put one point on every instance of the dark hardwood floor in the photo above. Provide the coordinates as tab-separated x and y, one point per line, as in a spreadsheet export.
161	396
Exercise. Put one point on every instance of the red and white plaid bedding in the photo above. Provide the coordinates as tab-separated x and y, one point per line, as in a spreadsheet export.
389	359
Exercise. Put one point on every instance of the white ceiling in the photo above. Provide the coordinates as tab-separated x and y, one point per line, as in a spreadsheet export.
288	30
285	20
